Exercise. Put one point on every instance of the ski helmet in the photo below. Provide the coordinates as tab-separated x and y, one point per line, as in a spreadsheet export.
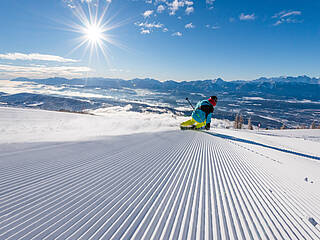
213	100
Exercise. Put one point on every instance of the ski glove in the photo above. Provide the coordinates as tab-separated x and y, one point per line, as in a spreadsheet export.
207	127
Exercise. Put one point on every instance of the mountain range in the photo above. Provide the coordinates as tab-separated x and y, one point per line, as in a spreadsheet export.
272	102
298	88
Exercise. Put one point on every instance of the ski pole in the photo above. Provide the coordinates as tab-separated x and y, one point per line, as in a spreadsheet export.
190	103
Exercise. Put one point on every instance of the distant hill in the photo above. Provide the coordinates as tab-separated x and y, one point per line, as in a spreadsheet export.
300	88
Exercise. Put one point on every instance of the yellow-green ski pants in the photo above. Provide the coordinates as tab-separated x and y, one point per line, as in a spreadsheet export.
193	122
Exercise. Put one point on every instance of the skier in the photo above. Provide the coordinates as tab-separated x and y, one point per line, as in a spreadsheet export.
201	116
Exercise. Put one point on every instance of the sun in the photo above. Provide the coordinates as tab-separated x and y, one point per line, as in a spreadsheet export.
94	27
93	33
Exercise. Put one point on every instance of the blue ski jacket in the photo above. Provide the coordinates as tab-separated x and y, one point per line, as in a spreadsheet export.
203	112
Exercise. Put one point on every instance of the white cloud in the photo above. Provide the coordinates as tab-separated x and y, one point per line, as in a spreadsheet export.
287	17
214	27
35	56
145	31
147	13
278	23
189	25
210	3
277	15
42	71
175	5
286	20
284	14
248	17
160	8
165	30
71	5
189	10
291	14
149	25
178	34
146	28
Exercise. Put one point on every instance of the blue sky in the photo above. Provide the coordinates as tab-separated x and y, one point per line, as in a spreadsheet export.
161	39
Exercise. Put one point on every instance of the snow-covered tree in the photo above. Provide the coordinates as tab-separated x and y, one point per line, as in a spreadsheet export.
236	121
313	125
283	126
240	121
250	124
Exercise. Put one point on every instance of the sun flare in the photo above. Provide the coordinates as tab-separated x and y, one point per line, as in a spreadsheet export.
93	33
94	26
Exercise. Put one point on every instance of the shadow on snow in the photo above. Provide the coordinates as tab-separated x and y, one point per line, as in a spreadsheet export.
261	145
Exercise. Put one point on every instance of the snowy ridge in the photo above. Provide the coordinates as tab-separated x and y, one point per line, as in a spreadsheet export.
169	185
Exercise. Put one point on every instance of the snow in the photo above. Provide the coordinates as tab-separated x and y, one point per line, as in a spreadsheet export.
303	140
289	101
125	175
254	98
29	125
183	109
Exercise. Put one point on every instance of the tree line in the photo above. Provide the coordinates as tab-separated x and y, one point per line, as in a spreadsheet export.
239	124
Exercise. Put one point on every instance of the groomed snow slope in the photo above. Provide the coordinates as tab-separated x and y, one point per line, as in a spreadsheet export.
164	185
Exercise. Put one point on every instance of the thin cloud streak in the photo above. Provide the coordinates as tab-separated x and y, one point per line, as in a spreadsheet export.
286	17
284	14
35	56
